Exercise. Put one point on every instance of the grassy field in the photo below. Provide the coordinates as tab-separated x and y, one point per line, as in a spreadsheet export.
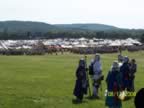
48	81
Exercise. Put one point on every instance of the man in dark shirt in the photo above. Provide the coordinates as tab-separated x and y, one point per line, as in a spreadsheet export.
133	69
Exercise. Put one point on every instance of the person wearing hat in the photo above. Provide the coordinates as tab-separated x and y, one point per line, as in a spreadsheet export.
114	84
81	82
125	70
97	73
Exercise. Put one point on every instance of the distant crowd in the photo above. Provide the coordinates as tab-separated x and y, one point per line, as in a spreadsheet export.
41	49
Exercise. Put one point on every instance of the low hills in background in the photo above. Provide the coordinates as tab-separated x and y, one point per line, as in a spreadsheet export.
22	26
30	29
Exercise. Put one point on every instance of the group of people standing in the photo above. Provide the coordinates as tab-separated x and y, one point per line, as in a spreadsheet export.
120	77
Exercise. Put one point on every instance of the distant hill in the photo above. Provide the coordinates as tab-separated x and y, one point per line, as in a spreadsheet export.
24	26
40	30
93	27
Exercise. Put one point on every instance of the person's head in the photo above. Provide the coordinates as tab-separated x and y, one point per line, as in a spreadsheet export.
139	99
133	61
97	57
126	59
115	66
120	58
82	62
92	61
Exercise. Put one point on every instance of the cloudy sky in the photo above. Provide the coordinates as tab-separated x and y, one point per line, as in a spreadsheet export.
120	13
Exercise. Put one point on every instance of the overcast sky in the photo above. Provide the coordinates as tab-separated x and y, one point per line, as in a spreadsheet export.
120	13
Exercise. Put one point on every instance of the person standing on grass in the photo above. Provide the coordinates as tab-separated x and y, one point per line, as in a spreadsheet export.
81	81
97	73
125	70
120	60
133	69
114	85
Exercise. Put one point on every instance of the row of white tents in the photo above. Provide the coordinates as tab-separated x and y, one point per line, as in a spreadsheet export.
68	43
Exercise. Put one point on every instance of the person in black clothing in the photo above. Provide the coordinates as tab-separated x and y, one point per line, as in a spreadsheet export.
81	82
133	69
114	83
125	70
139	99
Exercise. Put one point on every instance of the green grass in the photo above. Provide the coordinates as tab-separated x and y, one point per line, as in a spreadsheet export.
48	81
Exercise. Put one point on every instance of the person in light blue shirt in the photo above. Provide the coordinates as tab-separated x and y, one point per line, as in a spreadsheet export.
97	73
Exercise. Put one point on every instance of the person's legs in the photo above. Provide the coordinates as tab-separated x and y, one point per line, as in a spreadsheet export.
133	85
127	85
130	85
94	91
97	89
80	97
94	88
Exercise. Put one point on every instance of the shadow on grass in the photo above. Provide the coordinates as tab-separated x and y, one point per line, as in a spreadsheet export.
128	98
75	101
93	98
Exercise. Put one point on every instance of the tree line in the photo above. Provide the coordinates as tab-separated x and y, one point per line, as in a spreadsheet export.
117	34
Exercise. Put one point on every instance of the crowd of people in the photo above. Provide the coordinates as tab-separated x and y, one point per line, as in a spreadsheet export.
119	80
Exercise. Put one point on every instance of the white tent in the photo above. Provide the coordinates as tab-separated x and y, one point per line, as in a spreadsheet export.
80	46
